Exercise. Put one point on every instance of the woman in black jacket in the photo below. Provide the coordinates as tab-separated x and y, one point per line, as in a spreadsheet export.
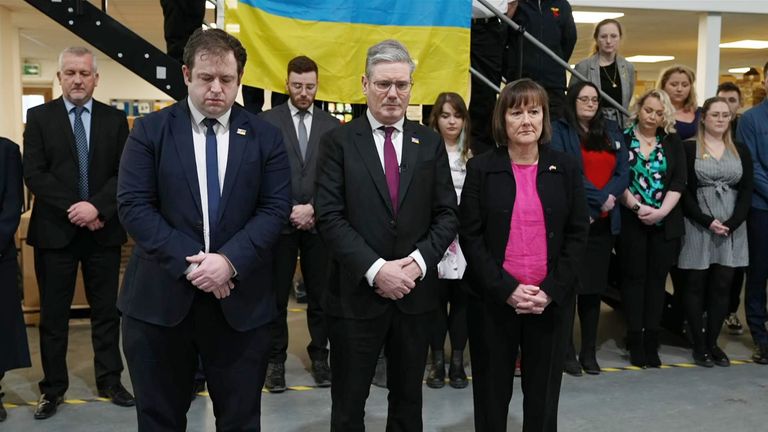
652	222
524	225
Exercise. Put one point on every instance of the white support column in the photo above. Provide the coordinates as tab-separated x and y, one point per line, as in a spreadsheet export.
708	55
10	86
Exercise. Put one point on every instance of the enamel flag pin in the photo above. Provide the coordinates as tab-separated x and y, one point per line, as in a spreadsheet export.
241	131
552	168
415	140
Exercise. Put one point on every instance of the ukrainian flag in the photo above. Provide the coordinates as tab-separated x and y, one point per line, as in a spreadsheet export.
337	33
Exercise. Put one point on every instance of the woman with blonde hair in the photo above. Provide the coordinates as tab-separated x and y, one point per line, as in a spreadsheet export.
715	206
609	71
450	118
678	81
652	222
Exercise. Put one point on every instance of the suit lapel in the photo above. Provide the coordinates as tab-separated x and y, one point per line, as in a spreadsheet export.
181	129
314	133
95	132
287	125
407	160
363	138
61	117
237	143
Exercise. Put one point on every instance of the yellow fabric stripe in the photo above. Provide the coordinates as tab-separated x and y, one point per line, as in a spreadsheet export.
441	53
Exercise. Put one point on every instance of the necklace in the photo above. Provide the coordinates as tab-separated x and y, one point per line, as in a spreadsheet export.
614	84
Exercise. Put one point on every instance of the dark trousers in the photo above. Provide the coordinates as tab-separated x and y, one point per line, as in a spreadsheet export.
453	320
314	268
706	290
496	333
162	362
355	347
646	258
180	19
556	103
485	55
589	315
757	275
736	285
56	271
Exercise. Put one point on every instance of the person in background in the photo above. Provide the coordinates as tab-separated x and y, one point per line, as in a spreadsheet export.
598	145
678	82
523	248
609	71
715	206
13	333
651	221
450	119
551	22
732	94
302	125
753	131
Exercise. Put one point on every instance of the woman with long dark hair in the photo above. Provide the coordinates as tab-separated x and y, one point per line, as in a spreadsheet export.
598	145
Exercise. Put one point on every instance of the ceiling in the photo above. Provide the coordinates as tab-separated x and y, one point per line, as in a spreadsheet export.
645	32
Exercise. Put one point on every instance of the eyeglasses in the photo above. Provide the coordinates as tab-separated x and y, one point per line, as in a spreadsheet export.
400	86
587	99
299	86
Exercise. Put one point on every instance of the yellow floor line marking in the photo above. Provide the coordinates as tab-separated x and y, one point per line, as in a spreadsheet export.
76	401
296	310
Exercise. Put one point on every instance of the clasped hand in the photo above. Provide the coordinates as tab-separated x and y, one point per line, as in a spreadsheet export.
529	299
718	228
84	214
213	274
397	278
649	215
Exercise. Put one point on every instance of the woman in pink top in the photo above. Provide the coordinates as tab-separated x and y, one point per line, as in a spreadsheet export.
524	225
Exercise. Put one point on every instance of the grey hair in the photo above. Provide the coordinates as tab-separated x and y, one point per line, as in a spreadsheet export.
388	51
77	51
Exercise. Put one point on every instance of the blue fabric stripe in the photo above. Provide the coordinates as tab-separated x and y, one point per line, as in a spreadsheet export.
416	13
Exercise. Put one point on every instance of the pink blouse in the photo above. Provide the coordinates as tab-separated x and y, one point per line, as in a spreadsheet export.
526	255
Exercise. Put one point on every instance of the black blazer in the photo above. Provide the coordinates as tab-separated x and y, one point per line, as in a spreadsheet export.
691	208
159	203
51	172
355	219
676	179
303	171
487	200
11	197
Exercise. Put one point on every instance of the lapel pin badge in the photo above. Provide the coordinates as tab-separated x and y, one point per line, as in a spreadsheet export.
415	140
241	131
552	168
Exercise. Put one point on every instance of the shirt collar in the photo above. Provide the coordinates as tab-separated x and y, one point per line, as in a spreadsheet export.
295	110
198	117
375	124
69	105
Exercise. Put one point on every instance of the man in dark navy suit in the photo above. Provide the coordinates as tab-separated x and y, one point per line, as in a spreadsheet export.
203	189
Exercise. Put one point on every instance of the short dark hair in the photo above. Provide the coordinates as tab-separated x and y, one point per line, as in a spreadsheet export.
520	93
727	87
216	42
302	64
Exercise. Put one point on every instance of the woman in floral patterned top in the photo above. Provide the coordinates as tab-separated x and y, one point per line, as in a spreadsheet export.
652	222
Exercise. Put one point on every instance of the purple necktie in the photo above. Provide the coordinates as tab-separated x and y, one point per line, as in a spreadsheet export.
391	168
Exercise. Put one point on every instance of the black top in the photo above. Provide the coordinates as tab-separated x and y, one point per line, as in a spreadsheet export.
610	81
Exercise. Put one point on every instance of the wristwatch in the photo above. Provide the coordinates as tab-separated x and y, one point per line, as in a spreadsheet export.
636	207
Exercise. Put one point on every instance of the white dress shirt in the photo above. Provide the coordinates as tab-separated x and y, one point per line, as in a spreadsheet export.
307	118
85	117
397	141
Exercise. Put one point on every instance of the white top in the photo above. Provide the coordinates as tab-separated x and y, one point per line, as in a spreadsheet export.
397	142
458	171
480	11
307	117
222	140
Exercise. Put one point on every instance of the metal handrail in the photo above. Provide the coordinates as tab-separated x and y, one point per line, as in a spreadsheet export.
504	18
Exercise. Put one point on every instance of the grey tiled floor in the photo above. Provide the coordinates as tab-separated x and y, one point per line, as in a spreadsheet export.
673	399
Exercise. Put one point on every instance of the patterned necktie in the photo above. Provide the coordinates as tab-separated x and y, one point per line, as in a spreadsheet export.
391	167
303	134
81	144
212	175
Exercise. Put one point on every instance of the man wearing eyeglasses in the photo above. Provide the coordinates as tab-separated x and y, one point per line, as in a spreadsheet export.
302	125
386	210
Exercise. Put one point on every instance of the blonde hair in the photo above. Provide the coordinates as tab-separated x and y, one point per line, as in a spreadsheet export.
689	103
668	122
727	139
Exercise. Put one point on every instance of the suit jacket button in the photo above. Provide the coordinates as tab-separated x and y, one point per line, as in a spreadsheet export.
551	234
392	223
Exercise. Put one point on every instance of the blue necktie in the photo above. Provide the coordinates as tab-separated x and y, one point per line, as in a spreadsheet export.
81	144
212	176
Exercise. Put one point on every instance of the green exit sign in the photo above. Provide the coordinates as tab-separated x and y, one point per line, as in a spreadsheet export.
31	69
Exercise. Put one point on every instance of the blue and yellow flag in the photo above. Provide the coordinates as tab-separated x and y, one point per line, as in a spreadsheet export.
337	33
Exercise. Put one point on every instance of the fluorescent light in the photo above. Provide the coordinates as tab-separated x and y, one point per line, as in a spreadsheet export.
210	5
649	59
583	17
740	70
746	44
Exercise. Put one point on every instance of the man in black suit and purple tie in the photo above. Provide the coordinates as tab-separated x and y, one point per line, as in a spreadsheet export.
386	209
